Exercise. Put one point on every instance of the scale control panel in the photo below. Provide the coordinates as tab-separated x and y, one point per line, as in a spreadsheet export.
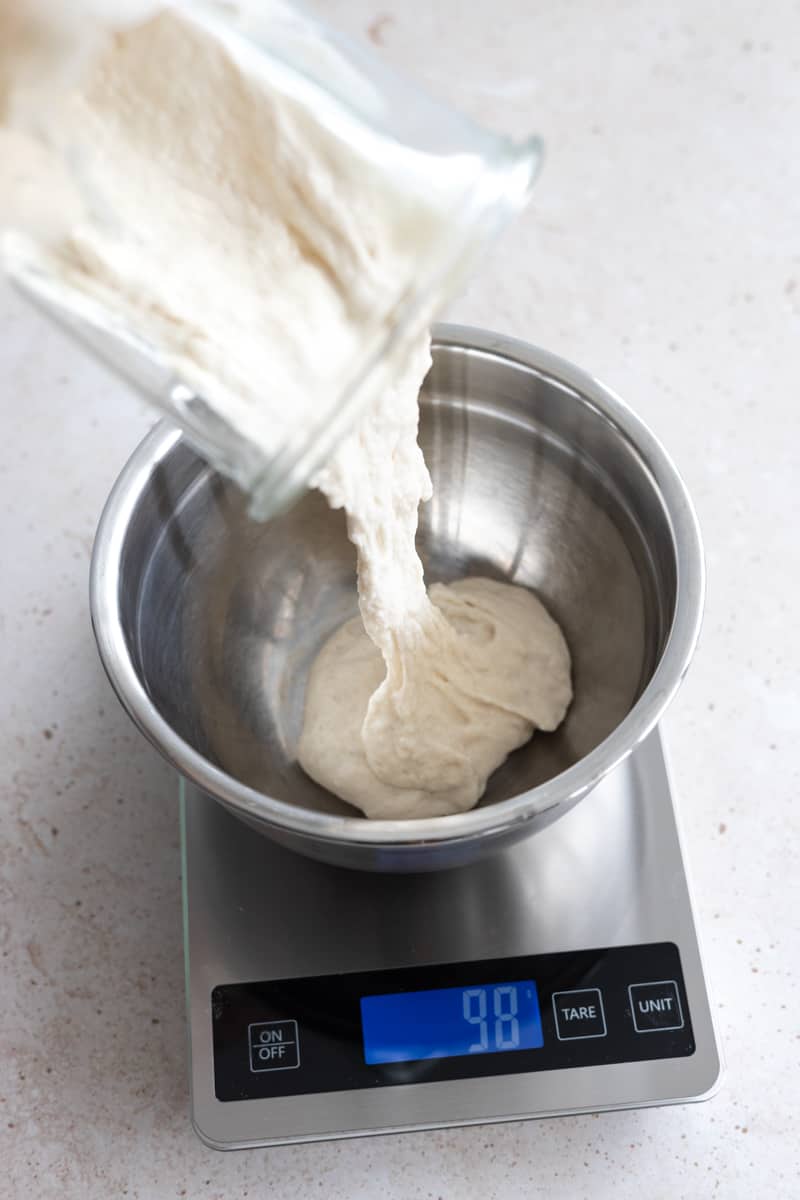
330	1033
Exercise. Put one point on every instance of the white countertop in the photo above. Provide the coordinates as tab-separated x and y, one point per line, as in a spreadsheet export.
662	253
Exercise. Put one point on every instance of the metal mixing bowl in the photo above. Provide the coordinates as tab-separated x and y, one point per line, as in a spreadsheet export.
207	622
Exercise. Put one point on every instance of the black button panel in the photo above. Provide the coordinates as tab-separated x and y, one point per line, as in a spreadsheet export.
291	1037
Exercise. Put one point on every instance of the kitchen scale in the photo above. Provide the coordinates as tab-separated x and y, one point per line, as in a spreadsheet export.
562	975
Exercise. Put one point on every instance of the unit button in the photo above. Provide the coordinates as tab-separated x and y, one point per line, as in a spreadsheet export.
655	1006
579	1014
274	1046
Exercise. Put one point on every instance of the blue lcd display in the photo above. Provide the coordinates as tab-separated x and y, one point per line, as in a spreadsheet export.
447	1022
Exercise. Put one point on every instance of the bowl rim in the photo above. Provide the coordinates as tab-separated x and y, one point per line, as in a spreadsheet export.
568	786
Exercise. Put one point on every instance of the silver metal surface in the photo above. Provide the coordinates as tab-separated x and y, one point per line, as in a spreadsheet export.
609	874
207	622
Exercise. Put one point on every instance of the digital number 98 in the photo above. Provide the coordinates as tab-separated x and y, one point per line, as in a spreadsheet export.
505	1007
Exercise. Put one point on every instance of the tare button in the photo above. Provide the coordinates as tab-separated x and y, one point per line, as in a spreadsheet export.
655	1006
579	1014
274	1046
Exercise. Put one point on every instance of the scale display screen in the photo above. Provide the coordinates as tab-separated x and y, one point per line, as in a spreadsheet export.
449	1022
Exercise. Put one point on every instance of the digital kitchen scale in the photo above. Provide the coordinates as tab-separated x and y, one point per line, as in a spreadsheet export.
562	975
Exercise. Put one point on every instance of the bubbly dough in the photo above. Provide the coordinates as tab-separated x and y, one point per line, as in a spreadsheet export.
491	667
410	709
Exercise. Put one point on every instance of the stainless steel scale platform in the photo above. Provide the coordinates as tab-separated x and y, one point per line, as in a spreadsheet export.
560	976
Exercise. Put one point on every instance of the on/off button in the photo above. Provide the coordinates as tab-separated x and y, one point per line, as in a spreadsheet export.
274	1046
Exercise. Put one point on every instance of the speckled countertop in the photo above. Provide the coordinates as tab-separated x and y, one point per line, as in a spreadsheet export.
663	254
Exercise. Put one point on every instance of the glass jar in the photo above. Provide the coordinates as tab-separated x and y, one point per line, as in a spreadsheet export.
388	121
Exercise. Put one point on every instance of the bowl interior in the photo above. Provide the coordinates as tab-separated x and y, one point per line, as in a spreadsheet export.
532	484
